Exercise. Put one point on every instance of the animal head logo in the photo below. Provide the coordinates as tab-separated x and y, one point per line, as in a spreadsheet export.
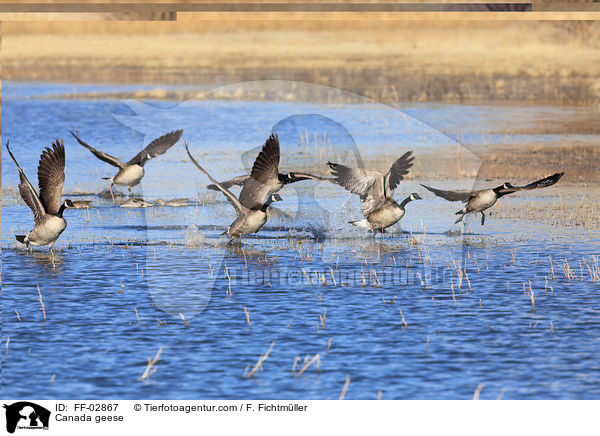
27	415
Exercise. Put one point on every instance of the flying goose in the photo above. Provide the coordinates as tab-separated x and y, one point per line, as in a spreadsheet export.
478	201
269	156
375	190
47	208
131	173
254	212
284	179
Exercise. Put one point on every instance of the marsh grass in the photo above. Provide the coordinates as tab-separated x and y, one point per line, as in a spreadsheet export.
307	363
247	317
150	367
345	388
258	366
478	391
323	319
41	302
391	63
185	321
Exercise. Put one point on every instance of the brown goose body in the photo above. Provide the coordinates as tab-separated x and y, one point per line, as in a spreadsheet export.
375	190
483	199
131	173
46	207
256	197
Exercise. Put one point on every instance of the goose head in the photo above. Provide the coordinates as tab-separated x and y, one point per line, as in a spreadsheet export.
293	177
275	197
66	204
503	187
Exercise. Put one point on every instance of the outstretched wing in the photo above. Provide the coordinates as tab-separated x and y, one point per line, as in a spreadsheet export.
356	180
236	181
156	148
463	196
28	193
542	183
239	208
297	176
99	154
397	172
264	177
51	176
366	183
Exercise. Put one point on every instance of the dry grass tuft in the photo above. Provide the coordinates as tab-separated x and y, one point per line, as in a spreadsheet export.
307	364
150	368
259	362
41	301
345	388
478	391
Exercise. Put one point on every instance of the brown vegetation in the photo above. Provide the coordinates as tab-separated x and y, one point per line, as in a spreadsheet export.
391	61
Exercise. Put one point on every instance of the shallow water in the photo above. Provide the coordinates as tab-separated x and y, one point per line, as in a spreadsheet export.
417	314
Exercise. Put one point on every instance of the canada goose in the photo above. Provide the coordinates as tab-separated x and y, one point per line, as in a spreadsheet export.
134	202
478	201
379	208
177	202
47	208
284	179
250	219
254	188
131	173
81	204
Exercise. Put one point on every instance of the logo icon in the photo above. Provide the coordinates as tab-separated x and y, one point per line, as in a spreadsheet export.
26	415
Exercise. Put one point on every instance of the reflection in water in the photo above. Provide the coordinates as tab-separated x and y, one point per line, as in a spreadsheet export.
49	259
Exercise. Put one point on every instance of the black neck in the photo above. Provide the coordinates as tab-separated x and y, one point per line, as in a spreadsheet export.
61	210
499	191
405	202
266	204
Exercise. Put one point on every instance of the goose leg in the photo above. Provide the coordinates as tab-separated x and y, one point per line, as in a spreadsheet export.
51	244
111	193
482	218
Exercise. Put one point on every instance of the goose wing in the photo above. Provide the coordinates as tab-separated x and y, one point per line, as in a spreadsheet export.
28	193
264	178
397	172
156	148
99	154
236	181
298	176
366	183
356	180
463	196
51	176
239	208
542	183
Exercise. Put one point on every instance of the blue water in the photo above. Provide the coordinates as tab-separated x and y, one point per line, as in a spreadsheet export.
393	313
